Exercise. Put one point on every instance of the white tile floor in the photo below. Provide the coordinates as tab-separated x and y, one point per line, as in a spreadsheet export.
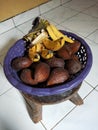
78	16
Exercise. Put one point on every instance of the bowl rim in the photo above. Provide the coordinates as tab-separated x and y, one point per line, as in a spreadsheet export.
54	90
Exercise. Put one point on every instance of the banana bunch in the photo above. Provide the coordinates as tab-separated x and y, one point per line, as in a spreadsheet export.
45	49
55	34
45	39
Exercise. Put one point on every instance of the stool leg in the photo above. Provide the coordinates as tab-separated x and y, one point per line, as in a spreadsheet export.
76	99
35	110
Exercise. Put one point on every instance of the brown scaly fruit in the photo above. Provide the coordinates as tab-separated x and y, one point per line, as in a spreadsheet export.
55	62
42	71
58	75
27	77
68	50
73	65
73	48
63	53
21	63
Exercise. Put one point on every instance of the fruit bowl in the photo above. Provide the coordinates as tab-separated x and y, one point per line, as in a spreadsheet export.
18	49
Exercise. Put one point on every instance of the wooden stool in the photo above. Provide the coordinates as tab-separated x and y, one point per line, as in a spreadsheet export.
34	103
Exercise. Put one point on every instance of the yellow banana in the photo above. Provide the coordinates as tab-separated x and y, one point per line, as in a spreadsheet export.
58	34
34	52
31	36
34	56
40	37
53	45
51	33
36	48
46	54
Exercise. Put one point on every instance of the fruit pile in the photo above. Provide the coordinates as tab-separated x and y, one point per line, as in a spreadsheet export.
50	57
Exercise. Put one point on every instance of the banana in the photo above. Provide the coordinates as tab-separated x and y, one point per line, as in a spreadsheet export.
38	24
56	34
35	57
40	37
51	33
34	52
53	45
31	36
36	48
41	44
46	54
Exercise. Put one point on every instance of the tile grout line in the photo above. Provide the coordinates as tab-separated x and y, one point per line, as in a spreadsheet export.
13	22
88	14
89	84
68	29
72	109
50	10
40	14
24	22
90	40
6	91
95	88
7	30
88	8
80	35
82	11
91	32
20	30
88	93
65	2
43	125
20	25
39	11
78	12
63	117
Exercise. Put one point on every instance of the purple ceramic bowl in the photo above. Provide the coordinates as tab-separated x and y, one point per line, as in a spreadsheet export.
84	54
